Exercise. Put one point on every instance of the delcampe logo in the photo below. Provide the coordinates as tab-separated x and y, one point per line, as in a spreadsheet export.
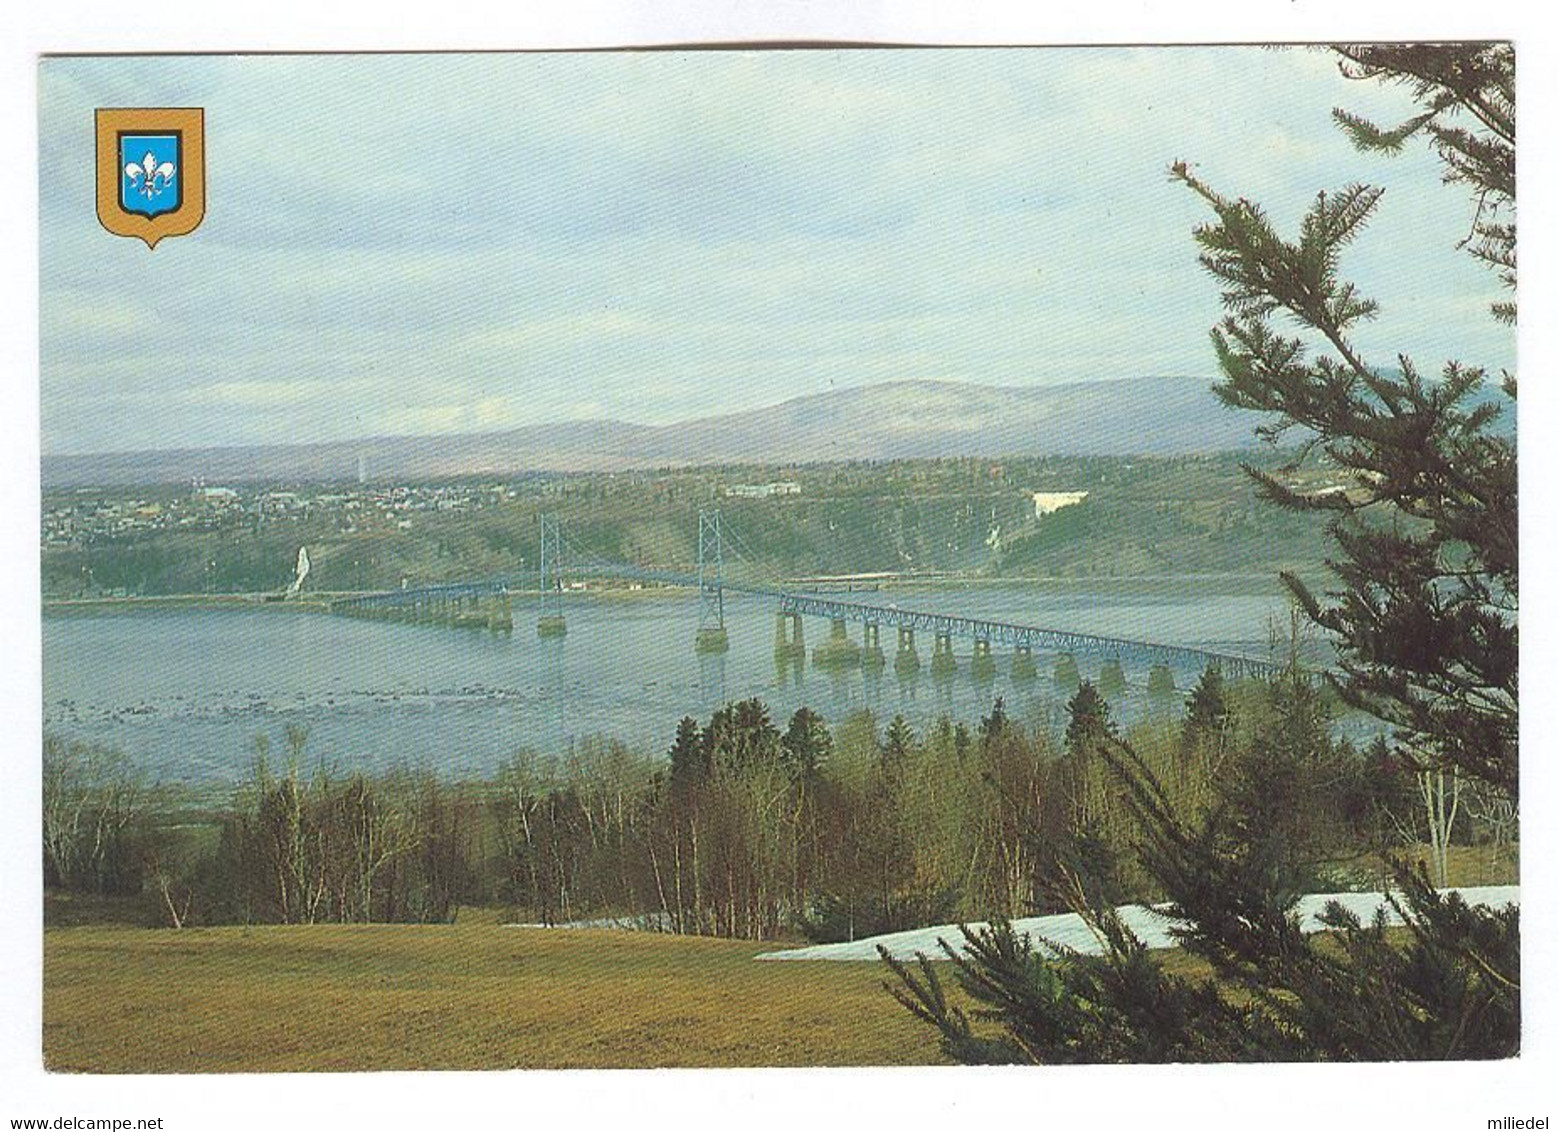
151	171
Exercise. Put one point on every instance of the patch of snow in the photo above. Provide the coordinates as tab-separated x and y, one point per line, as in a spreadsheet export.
649	922
1150	924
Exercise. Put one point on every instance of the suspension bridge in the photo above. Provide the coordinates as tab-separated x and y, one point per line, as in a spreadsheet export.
490	603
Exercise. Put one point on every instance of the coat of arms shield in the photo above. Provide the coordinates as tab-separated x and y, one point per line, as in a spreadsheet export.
151	171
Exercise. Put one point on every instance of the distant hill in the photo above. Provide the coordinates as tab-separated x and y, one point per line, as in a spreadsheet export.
898	420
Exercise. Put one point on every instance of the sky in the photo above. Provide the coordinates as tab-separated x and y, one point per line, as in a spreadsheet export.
413	244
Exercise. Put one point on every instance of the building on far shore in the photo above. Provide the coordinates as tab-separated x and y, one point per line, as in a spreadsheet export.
1046	502
763	490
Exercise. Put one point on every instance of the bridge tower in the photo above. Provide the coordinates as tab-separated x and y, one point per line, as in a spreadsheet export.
551	623
711	636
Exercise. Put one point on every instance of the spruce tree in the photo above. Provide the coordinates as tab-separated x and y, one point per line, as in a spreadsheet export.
806	744
897	741
1423	615
1088	720
992	725
1423	608
741	735
689	755
1207	707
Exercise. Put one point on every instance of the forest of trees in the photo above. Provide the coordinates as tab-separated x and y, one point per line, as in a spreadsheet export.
745	828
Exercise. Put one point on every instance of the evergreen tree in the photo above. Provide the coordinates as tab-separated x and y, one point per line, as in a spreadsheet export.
806	744
1207	707
1274	818
1207	733
741	735
962	740
1424	618
1088	720
1424	608
689	755
897	741
991	726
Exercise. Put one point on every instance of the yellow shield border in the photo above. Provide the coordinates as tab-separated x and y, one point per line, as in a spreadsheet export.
190	123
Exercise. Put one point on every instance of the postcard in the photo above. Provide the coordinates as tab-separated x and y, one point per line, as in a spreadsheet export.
833	556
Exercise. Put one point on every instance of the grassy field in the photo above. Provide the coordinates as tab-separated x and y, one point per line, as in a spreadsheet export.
120	998
463	996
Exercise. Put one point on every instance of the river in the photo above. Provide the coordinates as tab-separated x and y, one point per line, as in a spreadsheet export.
185	691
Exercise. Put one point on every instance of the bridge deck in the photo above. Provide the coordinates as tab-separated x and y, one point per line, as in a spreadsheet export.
1027	636
821	605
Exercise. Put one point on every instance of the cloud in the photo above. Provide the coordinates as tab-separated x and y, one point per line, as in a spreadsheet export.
443	243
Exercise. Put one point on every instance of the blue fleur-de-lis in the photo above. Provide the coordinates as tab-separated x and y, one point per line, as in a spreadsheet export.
149	178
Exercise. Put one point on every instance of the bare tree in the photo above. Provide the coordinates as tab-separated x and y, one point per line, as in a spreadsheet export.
92	802
1441	792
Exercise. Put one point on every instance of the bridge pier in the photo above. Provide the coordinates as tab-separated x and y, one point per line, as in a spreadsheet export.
942	661
1067	677
1161	680
1023	663
1112	680
501	619
789	643
983	665
906	661
838	650
469	614
790	670
871	647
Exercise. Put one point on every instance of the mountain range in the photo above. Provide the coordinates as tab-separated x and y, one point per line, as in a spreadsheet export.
1152	416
